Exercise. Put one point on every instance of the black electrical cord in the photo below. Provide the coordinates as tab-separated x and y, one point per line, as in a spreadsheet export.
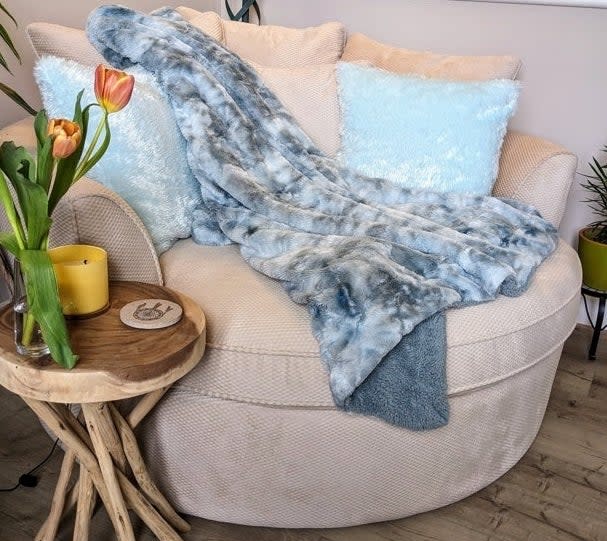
28	479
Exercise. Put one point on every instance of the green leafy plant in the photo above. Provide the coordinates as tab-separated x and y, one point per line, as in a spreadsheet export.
6	39
39	184
596	186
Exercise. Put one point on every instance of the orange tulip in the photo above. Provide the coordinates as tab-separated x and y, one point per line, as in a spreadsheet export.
113	88
66	136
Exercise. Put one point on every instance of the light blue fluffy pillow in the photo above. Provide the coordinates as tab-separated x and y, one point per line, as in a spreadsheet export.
424	133
146	161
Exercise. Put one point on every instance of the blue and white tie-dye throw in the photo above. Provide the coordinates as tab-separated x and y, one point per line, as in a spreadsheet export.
376	264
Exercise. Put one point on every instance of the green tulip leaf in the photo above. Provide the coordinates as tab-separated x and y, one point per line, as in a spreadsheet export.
10	242
41	128
43	302
18	165
11	212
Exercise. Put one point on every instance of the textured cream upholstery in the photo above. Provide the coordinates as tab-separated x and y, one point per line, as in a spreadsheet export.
537	172
467	68
277	46
258	336
315	467
56	40
309	93
102	218
209	22
261	401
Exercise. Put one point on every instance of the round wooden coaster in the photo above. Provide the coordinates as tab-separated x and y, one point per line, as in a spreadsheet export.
150	314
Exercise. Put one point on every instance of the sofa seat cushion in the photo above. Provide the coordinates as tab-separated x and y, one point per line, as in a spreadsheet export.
260	348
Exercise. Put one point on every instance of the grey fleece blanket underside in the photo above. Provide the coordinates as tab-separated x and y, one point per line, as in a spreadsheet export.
376	264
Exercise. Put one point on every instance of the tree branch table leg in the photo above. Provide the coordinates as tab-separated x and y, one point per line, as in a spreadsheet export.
86	503
72	440
141	474
146	511
111	438
48	531
117	510
145	405
105	452
139	412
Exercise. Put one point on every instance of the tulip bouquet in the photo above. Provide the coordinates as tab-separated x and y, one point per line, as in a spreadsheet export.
39	184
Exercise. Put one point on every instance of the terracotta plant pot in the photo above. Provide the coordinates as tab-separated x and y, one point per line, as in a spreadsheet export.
593	256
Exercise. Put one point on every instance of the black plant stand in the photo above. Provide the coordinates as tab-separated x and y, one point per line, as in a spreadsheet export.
597	325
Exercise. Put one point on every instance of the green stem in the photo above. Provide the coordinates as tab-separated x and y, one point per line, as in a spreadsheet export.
91	148
28	328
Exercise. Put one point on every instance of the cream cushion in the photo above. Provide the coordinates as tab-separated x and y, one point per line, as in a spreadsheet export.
56	40
272	450
309	93
278	46
464	68
207	21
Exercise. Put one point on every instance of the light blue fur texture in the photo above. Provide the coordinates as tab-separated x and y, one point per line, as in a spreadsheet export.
146	160
371	260
424	133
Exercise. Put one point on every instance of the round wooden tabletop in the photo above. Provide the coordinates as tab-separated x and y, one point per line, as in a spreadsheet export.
116	361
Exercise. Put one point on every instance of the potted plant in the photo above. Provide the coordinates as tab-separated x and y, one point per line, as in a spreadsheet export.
592	247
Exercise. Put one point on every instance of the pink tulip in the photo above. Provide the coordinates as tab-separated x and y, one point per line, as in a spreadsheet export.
113	88
66	136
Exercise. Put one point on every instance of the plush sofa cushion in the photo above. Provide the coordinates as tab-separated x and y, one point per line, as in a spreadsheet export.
424	133
473	68
56	40
149	171
278	46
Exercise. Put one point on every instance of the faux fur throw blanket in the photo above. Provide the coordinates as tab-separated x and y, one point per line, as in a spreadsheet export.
372	261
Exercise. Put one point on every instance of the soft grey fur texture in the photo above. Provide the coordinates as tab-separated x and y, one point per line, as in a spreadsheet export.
370	259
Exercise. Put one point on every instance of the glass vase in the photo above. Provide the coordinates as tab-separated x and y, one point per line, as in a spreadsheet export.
28	336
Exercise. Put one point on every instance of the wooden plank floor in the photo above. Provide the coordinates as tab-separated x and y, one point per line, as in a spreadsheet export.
557	492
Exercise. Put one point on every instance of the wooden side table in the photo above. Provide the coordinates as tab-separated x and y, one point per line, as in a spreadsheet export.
116	362
597	325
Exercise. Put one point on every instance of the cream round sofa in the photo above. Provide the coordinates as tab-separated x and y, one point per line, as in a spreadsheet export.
251	436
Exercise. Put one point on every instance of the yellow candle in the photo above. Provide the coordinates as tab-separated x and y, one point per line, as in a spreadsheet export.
82	278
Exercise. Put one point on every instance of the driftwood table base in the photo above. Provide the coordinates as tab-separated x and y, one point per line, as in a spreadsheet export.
106	448
116	362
